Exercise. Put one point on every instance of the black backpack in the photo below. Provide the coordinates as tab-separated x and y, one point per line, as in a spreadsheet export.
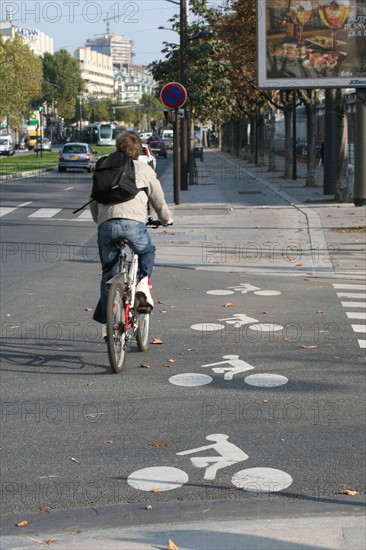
114	179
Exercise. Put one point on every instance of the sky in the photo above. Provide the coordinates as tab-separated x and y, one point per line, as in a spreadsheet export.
71	22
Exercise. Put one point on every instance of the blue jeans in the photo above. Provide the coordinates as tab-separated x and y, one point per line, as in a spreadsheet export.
139	240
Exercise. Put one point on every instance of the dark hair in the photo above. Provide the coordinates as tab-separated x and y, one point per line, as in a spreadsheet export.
129	143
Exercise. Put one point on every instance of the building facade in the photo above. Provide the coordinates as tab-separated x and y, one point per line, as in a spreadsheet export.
37	41
131	82
116	46
97	72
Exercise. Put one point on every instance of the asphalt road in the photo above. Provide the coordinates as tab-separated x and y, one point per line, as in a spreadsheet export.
74	434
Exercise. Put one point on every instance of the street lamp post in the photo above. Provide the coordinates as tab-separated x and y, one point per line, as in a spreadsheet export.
80	98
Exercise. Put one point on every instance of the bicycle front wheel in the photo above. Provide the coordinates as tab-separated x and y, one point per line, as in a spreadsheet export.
142	331
116	328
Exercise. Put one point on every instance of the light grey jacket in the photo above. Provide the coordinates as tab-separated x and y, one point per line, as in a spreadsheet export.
136	209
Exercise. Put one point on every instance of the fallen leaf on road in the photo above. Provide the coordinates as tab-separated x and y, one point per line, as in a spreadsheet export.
186	289
171	545
90	383
49	541
159	302
44	509
74	459
349	492
264	400
88	309
109	441
192	349
299	264
155	491
170	361
159	445
163	311
21	524
157	341
309	347
143	366
229	304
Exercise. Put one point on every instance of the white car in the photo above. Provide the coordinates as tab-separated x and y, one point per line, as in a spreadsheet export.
144	136
147	156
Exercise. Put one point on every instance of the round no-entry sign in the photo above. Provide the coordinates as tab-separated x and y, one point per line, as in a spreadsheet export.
173	95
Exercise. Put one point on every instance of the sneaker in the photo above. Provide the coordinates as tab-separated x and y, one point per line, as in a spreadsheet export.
143	295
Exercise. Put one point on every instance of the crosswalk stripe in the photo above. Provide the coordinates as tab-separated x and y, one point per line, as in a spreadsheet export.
362	344
86	215
45	213
359	328
353	304
351	295
350	287
356	315
6	210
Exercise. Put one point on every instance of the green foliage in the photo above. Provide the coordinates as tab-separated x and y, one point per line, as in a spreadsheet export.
20	78
62	83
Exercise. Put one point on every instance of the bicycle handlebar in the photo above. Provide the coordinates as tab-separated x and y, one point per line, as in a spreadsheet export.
155	223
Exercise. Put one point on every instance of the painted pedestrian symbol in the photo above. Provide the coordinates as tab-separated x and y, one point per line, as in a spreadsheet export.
236	366
167	478
229	454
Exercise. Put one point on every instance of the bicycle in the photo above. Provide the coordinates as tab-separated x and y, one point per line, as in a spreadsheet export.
124	322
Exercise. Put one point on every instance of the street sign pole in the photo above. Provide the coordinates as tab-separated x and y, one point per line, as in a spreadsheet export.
176	157
174	95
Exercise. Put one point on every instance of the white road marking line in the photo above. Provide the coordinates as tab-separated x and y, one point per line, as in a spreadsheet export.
352	295
157	478
6	210
45	213
86	215
24	204
356	315
362	344
359	328
353	304
350	287
68	189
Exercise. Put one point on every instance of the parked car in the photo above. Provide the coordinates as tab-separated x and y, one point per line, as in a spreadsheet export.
6	146
159	149
147	156
76	155
43	144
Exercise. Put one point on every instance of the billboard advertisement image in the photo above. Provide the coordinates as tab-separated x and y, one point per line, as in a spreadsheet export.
311	43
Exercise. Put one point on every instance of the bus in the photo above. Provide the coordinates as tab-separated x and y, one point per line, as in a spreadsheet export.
32	137
101	133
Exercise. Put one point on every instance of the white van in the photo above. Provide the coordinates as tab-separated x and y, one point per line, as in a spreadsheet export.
167	134
6	146
145	135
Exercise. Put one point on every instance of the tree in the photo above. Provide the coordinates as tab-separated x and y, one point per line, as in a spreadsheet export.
62	83
20	77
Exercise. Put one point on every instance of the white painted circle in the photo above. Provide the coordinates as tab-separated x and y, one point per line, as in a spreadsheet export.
266	380
190	379
267	292
220	292
208	327
261	480
163	478
265	327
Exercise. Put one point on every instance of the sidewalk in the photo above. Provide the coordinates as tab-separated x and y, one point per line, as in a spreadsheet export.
240	217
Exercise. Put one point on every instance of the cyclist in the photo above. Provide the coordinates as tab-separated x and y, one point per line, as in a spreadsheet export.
127	220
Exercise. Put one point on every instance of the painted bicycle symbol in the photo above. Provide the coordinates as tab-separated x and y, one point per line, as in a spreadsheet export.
166	478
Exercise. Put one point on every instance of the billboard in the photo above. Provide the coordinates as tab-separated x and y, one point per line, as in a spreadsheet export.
311	43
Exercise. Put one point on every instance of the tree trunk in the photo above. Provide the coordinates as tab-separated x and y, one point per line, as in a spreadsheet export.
310	107
342	188
287	111
271	142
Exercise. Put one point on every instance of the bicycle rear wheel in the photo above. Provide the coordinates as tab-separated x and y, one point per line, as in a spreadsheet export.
116	328
142	331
